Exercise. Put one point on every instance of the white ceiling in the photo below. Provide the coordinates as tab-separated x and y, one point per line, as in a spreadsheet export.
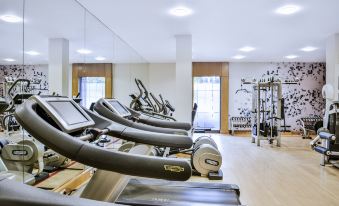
45	19
220	27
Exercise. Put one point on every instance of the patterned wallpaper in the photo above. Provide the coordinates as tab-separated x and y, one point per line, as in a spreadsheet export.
31	72
301	100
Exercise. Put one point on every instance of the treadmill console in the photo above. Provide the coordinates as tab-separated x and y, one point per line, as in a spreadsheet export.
117	107
67	114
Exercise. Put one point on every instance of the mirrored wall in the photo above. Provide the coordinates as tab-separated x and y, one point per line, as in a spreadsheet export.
94	54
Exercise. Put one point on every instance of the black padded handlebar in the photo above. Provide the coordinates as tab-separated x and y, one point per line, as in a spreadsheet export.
141	136
101	108
165	124
88	154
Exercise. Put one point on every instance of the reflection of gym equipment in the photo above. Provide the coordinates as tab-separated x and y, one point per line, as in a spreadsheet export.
329	133
64	126
309	125
205	156
22	152
3	106
17	175
24	156
267	109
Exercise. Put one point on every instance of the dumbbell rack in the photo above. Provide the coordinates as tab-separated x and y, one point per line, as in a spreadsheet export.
240	124
307	125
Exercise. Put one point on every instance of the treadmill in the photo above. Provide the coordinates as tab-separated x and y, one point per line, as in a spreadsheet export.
62	125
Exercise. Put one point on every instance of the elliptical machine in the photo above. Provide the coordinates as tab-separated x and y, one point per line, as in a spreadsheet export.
143	103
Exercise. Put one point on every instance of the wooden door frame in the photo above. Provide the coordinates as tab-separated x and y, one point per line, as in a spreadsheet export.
92	70
220	69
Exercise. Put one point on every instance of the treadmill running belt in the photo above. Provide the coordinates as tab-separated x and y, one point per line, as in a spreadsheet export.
159	192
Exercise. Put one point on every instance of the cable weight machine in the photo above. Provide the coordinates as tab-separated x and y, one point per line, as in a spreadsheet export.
268	107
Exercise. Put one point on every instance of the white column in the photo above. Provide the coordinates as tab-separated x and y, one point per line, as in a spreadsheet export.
58	67
332	63
183	74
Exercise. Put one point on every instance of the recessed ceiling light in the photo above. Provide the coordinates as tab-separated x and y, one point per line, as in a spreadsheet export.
32	53
247	49
100	58
238	57
291	56
288	9
309	49
181	11
84	51
9	60
11	18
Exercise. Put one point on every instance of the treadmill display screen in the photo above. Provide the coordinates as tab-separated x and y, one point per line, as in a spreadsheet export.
119	108
68	112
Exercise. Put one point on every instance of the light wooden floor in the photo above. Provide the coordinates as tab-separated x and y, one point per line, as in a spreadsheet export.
268	175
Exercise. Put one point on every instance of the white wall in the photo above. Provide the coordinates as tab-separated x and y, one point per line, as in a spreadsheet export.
31	72
237	71
159	78
162	80
123	80
301	100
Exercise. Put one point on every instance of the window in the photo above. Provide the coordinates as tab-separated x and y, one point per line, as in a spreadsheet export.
207	96
91	89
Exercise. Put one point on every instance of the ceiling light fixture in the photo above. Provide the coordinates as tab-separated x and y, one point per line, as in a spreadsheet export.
181	11
11	18
32	53
239	57
9	60
288	9
84	51
309	49
100	58
247	49
291	56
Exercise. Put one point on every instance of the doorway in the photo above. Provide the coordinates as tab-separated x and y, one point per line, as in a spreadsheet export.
92	81
207	96
91	89
210	91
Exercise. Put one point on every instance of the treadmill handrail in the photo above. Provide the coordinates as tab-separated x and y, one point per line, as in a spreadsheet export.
32	196
166	124
91	155
101	107
141	136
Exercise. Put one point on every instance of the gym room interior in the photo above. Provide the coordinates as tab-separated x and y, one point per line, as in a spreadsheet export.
158	102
